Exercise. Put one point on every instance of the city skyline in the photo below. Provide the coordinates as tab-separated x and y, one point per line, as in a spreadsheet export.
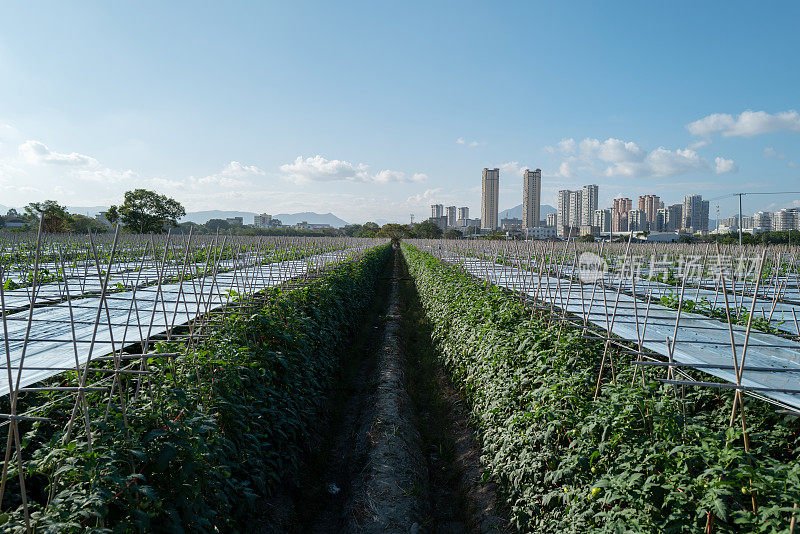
299	119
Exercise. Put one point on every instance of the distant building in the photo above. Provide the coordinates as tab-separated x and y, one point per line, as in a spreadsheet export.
786	219
552	220
463	214
451	216
465	223
304	225
649	205
695	214
15	222
437	210
662	237
531	198
636	221
490	193
762	221
511	224
619	214
262	221
541	232
661	223
732	223
568	211
588	204
675	217
441	221
588	229
602	220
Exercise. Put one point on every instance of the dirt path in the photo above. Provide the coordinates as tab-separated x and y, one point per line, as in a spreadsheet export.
397	453
460	501
389	494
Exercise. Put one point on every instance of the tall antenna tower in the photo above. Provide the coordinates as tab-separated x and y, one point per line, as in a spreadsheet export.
412	219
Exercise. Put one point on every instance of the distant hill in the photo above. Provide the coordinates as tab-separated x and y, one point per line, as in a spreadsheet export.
89	211
201	217
516	212
311	218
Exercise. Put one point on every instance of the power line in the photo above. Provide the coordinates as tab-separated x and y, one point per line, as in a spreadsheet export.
740	195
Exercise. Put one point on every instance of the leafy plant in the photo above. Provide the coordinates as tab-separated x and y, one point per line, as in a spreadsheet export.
635	459
220	428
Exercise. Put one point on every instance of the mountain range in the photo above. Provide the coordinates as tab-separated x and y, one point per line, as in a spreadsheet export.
516	212
201	217
310	217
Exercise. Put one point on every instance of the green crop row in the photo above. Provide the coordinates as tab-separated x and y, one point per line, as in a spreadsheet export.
641	457
212	434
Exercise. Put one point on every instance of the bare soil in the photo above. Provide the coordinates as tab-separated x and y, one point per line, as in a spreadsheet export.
395	451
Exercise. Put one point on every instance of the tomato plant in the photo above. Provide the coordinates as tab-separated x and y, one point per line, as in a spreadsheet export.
222	428
636	459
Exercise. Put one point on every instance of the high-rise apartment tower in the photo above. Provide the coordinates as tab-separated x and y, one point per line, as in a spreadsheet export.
531	198
490	193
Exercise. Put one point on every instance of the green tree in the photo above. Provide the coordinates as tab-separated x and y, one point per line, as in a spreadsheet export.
146	211
369	229
55	217
427	230
81	224
351	229
12	213
217	224
394	231
452	233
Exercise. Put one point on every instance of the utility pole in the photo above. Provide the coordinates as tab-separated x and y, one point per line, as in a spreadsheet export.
740	217
412	219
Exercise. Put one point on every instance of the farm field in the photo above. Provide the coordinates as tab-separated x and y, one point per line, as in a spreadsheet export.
185	383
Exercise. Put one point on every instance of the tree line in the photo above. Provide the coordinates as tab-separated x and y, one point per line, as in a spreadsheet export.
146	212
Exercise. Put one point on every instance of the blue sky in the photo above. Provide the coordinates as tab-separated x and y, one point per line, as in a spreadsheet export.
374	111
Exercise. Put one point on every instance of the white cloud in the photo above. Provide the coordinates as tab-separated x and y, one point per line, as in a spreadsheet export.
723	165
320	169
700	143
513	168
565	170
616	151
771	153
37	153
663	162
617	158
746	124
462	141
104	175
424	197
566	147
234	174
386	176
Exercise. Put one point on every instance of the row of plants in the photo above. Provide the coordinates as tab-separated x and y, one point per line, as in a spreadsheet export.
641	457
738	316
212	435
